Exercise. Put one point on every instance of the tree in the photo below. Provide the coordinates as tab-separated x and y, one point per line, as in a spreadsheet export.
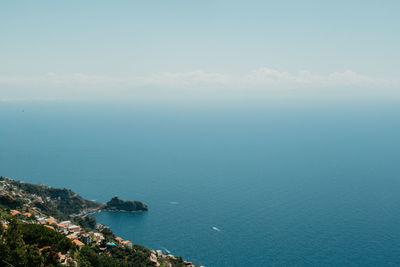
15	246
50	257
33	256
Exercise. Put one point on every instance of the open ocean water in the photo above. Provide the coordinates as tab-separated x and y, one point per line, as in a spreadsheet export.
284	186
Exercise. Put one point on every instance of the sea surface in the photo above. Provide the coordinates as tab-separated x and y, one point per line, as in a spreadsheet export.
306	185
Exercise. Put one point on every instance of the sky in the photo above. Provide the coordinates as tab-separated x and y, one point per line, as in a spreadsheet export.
198	49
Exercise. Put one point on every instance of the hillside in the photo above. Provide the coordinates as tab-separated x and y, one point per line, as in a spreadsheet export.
44	226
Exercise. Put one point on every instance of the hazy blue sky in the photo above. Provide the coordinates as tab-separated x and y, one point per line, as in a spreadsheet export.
213	45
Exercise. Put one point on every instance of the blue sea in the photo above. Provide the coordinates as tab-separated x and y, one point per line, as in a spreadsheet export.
263	185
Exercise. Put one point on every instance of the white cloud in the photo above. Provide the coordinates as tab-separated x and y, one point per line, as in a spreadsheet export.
191	78
262	81
259	77
272	77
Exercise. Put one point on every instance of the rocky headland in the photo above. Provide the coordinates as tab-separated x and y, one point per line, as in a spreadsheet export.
116	204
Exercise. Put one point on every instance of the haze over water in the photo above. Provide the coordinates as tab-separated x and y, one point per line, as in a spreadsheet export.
272	185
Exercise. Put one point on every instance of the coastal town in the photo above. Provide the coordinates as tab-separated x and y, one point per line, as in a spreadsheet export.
88	233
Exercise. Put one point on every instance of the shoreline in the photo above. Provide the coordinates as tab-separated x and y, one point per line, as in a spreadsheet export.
52	208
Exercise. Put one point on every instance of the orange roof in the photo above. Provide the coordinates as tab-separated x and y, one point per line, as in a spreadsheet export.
27	214
78	243
45	247
126	242
48	226
15	212
119	239
72	236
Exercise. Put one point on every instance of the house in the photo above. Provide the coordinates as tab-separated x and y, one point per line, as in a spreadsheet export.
170	256
63	230
74	229
98	238
62	227
62	258
15	212
153	258
119	239
65	223
39	199
127	243
51	220
101	227
50	227
78	243
72	236
42	220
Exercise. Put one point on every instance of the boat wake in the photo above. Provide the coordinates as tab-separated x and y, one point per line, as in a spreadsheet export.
216	229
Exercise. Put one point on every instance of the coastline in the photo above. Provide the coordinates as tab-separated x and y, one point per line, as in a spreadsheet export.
51	208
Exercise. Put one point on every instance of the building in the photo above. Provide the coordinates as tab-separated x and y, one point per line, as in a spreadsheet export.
98	238
127	243
50	227
86	238
78	243
74	229
51	220
15	212
42	220
65	223
72	236
153	258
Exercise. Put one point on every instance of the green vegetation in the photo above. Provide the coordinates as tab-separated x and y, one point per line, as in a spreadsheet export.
8	202
86	222
108	235
24	244
20	244
116	256
57	202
